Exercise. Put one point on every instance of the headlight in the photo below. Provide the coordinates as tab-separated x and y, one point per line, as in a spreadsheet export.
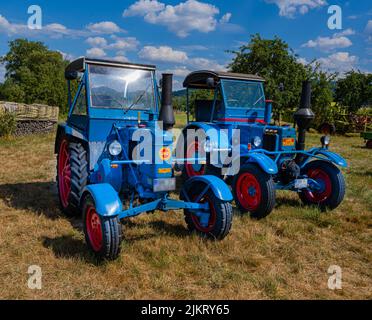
325	141
115	148
257	141
209	146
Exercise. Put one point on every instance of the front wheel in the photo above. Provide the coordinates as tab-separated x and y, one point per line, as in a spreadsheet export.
215	224
331	182
254	191
102	234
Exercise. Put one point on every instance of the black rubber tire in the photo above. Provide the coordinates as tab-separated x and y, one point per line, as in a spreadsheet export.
79	178
268	194
112	234
337	184
369	144
223	211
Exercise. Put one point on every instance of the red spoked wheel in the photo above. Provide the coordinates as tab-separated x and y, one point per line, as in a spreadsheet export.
323	179
248	191
64	173
194	169
220	213
331	182
103	234
254	191
212	217
94	228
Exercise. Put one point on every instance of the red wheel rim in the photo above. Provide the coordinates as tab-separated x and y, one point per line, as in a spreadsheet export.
248	191
64	173
194	169
94	228
212	217
324	181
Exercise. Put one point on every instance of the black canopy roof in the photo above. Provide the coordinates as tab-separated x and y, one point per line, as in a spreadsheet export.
198	79
79	65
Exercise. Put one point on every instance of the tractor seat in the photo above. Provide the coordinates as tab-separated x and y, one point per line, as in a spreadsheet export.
203	110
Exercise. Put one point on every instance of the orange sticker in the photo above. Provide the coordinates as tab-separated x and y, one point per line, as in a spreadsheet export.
288	142
165	153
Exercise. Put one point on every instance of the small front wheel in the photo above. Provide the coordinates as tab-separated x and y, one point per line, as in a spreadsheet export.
254	191
216	223
331	182
102	234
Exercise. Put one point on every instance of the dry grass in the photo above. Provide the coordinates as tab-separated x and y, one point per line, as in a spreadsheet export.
285	256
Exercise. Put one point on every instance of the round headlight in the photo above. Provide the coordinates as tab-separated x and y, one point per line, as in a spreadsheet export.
325	140
115	148
257	141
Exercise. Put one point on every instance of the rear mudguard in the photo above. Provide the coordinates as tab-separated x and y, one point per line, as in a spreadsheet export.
331	156
218	186
106	199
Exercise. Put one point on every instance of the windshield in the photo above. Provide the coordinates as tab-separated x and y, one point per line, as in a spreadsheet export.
244	94
112	87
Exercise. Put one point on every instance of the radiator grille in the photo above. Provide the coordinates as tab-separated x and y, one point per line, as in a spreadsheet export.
269	142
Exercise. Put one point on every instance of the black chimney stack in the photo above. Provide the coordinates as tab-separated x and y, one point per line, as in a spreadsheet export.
166	110
304	116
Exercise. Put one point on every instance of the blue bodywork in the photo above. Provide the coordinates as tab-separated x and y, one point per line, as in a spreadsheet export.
231	109
116	182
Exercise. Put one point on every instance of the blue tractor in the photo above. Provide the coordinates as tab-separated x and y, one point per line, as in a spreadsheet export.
270	157
114	156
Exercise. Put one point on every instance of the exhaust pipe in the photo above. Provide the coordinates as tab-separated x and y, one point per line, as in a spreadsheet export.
304	116
166	110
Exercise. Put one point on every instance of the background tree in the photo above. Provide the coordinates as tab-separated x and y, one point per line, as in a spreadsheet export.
354	91
34	74
277	64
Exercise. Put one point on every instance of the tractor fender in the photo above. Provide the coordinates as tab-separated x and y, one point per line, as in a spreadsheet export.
218	186
266	163
333	157
65	130
106	199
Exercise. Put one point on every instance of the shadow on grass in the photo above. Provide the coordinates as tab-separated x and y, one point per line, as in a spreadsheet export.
282	201
69	247
38	197
170	229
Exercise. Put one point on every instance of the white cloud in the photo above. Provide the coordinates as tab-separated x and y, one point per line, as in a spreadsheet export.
289	8
124	44
337	41
205	64
96	41
181	19
66	56
96	53
368	31
226	18
2	73
178	71
143	7
163	53
303	61
120	58
339	62
104	27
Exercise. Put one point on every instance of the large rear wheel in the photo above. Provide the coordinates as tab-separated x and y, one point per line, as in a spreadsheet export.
72	175
254	191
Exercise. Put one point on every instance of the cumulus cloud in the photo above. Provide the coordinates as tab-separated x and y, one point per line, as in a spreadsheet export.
96	53
181	19
368	31
104	27
226	18
339	62
124	44
178	71
337	41
163	53
289	8
96	41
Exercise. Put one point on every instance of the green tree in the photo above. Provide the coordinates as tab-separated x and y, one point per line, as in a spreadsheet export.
34	74
277	64
354	90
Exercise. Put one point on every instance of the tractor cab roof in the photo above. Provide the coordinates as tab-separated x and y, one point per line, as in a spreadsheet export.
79	65
198	79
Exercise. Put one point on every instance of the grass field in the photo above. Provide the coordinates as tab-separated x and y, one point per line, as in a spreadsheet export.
285	256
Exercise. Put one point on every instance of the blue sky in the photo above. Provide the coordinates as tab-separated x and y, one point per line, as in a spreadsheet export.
180	36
